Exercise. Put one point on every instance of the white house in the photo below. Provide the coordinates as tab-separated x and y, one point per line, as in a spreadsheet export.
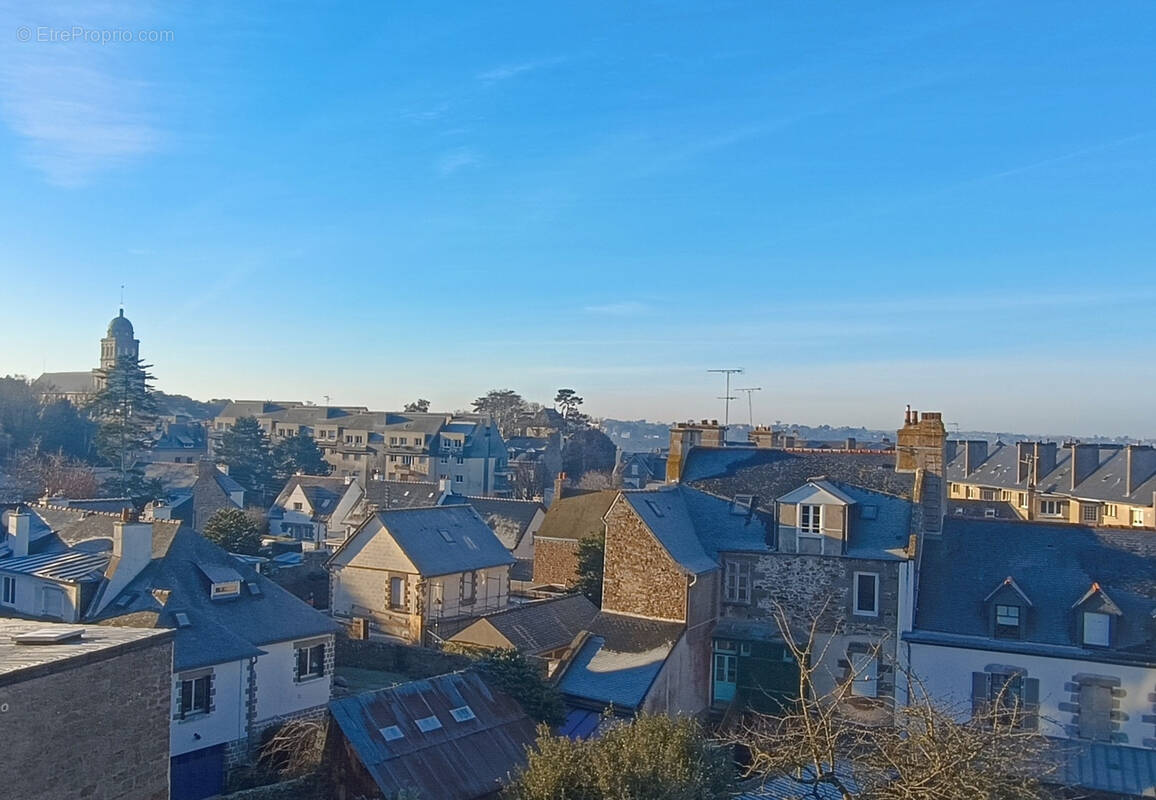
420	573
1058	621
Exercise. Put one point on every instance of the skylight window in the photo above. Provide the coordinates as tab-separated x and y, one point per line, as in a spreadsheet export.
462	714
182	619
428	724
654	507
446	535
391	733
253	588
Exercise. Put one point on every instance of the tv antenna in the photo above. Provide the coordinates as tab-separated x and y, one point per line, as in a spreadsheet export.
750	407
727	397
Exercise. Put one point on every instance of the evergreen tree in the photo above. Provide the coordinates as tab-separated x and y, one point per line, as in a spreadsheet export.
125	412
19	406
509	671
234	530
245	450
591	555
63	429
298	454
419	406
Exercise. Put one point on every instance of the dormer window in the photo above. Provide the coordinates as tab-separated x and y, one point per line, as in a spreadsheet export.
1007	621
1097	629
810	519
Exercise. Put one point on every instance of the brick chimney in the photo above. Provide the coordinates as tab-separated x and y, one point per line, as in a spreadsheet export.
921	447
19	531
559	485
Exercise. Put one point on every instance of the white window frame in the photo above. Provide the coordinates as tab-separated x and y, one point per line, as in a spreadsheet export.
1110	510
1054	504
192	710
8	597
1085	509
737	581
864	674
814	526
1103	625
309	661
855	594
1137	518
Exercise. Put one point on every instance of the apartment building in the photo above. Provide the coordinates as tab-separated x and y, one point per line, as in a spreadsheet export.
466	450
1085	484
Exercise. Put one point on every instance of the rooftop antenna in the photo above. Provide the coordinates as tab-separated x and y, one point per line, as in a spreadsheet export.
727	397
750	407
326	399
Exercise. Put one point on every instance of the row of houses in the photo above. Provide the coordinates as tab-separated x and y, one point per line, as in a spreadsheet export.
465	449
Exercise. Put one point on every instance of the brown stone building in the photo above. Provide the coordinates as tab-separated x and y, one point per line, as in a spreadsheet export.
98	698
569	520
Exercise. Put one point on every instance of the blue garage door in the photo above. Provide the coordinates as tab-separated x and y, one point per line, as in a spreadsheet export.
198	774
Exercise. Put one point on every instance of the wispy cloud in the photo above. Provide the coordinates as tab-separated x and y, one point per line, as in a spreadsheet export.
77	105
507	71
625	308
455	161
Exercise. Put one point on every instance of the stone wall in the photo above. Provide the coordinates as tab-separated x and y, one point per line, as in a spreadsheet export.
639	576
99	730
555	561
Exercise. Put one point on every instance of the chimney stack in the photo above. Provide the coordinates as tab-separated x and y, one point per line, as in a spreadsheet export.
19	531
921	447
559	484
132	551
1085	461
1140	465
974	454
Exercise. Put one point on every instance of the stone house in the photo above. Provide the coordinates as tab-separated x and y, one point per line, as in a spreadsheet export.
247	655
568	521
194	492
1078	483
420	574
61	683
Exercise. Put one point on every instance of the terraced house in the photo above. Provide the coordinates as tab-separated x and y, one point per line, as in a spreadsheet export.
1077	483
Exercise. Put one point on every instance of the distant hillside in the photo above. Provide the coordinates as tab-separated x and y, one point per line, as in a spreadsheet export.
182	404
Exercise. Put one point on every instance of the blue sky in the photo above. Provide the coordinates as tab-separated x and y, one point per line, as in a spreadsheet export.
950	205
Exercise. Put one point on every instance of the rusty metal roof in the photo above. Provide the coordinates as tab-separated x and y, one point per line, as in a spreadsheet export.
450	736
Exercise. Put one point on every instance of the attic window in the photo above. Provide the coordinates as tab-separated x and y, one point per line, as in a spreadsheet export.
869	512
428	724
391	733
446	535
182	619
253	588
222	591
462	714
742	504
654	507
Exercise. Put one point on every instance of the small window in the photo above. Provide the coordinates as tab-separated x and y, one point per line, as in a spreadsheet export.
9	592
737	582
468	587
868	512
459	479
428	724
1091	513
460	460
311	662
1023	500
1050	508
397	592
989	513
1095	715
1097	629
867	594
1007	622
810	519
462	714
194	697
864	675
391	733
1110	510
446	535
296	506
182	619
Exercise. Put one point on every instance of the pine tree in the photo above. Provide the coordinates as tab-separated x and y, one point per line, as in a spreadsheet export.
245	450
299	454
125	411
234	530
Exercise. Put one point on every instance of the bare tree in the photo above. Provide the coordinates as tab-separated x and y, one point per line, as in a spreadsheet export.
296	747
813	748
596	480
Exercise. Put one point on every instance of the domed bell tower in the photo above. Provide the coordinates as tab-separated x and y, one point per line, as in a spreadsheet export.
119	342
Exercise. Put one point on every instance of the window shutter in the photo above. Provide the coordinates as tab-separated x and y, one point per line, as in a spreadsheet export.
980	689
1031	703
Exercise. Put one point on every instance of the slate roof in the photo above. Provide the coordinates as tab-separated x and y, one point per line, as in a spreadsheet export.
402	494
470	545
1054	566
66	382
1107	483
533	627
322	491
770	473
577	517
695	526
508	519
463	760
219	630
884	536
619	661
